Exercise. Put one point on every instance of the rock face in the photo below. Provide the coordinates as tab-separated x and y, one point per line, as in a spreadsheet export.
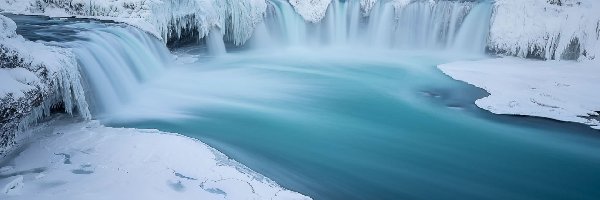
35	79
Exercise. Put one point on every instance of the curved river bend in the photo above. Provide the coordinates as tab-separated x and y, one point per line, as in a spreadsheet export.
350	108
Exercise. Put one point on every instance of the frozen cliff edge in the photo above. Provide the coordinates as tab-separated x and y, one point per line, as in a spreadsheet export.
85	160
560	90
34	79
165	19
546	29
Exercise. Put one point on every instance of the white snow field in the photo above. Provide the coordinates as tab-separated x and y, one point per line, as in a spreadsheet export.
66	160
560	90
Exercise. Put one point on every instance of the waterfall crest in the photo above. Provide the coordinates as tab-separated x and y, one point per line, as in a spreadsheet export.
115	61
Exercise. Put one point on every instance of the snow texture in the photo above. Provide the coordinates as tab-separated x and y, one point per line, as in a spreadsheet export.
544	30
560	90
34	78
166	19
68	160
367	6
315	10
311	10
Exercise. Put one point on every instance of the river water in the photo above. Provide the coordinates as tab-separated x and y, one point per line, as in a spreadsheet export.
332	122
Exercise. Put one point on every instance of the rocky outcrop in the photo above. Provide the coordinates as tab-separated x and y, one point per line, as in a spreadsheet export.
36	79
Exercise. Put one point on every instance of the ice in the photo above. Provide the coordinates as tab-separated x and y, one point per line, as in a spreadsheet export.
166	19
548	31
35	78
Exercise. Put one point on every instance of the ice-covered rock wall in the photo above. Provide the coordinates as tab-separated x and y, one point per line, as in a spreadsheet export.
546	29
34	79
166	19
542	29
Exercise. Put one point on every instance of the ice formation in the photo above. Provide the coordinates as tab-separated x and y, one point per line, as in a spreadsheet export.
539	29
89	161
166	19
35	78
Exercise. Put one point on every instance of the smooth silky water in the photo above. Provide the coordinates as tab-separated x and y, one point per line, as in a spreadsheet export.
333	110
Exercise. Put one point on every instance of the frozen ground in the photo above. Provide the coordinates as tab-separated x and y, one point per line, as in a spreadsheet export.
85	160
561	90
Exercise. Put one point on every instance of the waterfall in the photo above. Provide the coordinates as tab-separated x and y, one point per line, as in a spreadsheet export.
448	25
115	61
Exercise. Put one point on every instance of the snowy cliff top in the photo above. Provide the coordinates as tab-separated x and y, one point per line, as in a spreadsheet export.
67	160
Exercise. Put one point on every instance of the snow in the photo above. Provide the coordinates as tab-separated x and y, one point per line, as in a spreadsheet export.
85	160
16	82
560	90
33	78
537	27
60	64
311	10
367	6
163	18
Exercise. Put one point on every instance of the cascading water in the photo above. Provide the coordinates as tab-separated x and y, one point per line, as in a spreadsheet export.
451	25
115	61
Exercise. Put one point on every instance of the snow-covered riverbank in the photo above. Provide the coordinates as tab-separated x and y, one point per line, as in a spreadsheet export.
85	160
560	90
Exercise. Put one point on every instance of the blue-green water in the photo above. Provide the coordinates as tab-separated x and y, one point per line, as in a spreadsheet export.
368	125
353	123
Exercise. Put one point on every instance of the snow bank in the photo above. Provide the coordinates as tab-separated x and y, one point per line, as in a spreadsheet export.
561	90
165	19
34	78
536	28
67	160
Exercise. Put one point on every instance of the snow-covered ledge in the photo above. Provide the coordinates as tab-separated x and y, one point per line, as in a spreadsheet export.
561	90
85	160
